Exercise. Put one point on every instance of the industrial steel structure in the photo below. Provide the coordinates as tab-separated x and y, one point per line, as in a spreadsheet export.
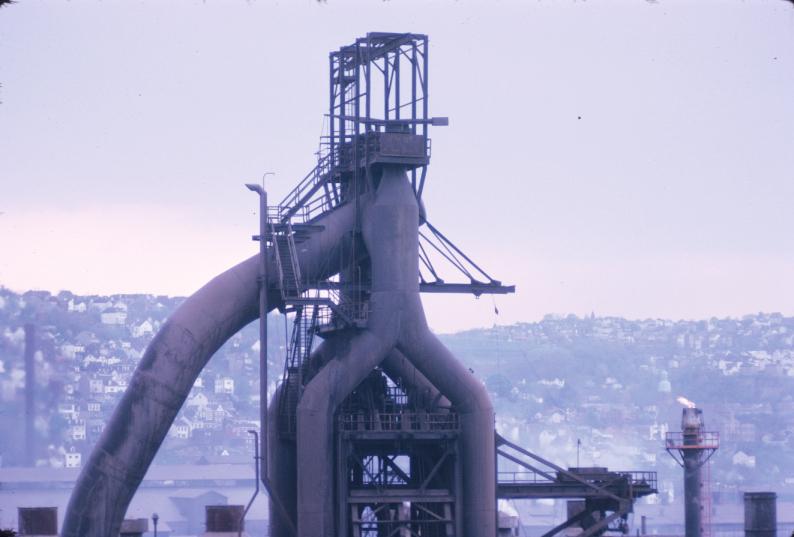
606	497
375	428
692	448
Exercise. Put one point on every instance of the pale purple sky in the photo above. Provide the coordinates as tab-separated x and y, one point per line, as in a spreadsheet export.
128	128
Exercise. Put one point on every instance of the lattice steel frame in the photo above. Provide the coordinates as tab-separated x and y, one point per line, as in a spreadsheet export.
381	78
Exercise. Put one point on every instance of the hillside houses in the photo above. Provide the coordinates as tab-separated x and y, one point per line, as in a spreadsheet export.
606	384
612	383
89	348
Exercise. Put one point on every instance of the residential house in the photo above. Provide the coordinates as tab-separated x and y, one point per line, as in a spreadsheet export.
113	316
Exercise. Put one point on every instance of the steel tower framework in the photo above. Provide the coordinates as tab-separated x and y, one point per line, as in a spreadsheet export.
377	430
397	453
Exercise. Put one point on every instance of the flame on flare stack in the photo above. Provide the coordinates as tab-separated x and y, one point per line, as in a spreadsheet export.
686	402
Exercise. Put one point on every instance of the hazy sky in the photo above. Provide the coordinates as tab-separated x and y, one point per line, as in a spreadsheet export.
630	158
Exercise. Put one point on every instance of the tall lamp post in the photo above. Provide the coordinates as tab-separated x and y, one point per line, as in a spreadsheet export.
260	190
263	474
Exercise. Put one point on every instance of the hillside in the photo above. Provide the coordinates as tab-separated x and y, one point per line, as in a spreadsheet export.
611	383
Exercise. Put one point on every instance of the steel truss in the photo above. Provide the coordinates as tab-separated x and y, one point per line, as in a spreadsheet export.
607	496
398	470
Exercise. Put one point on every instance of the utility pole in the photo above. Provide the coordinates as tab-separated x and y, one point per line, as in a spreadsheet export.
263	380
30	394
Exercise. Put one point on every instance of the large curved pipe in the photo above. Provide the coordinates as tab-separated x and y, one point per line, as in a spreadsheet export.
218	310
166	373
158	388
397	318
282	468
389	228
467	394
282	457
470	398
421	391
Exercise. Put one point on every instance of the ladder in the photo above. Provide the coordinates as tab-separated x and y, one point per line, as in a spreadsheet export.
287	262
296	364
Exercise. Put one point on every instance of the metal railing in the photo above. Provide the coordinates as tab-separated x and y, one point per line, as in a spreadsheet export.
337	311
702	440
302	203
295	203
641	478
521	477
399	421
293	256
341	314
635	478
397	396
279	264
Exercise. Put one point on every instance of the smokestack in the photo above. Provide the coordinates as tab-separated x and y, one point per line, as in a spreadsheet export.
30	400
692	427
760	514
691	448
134	527
39	521
224	520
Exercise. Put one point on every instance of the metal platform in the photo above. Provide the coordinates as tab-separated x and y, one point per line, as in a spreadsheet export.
607	497
531	485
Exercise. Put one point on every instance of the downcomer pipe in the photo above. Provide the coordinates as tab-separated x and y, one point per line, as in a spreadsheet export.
425	395
166	373
207	319
282	464
282	458
390	229
390	233
478	443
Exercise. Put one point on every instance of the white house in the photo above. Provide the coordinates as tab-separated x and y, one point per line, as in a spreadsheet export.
78	307
182	428
101	305
144	329
115	387
73	459
69	410
199	400
224	385
740	458
96	385
78	430
113	316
